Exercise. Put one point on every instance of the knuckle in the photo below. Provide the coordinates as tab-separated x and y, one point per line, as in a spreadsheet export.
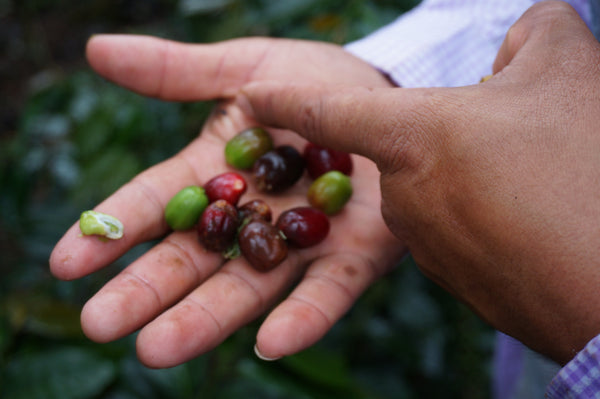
413	138
543	17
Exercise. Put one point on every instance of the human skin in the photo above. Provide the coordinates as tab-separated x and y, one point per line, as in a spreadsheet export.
494	187
184	300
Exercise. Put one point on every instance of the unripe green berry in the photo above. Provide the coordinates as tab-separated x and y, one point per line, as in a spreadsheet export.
246	147
184	209
330	192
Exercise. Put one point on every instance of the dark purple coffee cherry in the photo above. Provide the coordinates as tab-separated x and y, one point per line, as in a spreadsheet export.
278	170
262	245
320	160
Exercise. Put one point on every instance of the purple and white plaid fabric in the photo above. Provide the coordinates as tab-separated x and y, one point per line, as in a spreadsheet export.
580	378
445	42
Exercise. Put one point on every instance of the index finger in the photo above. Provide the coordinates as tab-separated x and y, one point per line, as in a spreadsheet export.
390	126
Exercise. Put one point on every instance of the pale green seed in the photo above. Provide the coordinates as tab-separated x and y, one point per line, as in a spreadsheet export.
101	224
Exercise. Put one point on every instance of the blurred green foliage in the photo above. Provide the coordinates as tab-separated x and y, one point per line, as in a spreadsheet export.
69	139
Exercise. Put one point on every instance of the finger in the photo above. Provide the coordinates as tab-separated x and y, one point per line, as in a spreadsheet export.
538	35
236	294
392	127
148	286
231	298
172	70
138	205
328	290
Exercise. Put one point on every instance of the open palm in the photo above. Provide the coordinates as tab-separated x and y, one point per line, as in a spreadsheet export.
186	300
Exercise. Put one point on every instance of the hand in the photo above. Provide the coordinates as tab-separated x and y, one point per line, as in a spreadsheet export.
185	300
494	187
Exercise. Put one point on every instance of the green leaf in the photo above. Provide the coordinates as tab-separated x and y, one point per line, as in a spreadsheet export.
320	366
43	316
65	373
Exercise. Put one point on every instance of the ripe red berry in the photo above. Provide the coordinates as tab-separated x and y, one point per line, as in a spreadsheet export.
217	227
228	186
262	245
303	226
320	160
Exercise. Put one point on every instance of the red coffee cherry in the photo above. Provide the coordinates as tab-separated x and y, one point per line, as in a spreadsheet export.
255	209
262	245
303	227
278	170
228	186
218	225
320	160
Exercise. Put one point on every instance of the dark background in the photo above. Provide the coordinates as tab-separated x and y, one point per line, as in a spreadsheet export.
68	139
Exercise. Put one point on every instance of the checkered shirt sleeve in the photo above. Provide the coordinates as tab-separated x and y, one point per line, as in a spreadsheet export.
580	378
444	42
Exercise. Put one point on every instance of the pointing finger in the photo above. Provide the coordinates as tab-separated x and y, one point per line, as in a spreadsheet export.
392	127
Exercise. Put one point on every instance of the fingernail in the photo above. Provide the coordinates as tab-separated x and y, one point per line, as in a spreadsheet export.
263	357
243	103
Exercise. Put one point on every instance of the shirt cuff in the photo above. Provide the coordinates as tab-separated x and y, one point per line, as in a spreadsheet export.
580	378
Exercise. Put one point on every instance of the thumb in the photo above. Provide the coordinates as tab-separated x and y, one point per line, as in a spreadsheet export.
543	33
391	126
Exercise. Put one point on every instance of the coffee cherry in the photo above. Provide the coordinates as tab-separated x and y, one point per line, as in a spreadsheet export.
255	209
320	160
218	226
185	207
262	245
303	227
246	147
228	186
278	170
330	192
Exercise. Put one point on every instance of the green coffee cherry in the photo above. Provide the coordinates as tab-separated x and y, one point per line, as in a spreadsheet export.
100	224
184	209
330	192
246	147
